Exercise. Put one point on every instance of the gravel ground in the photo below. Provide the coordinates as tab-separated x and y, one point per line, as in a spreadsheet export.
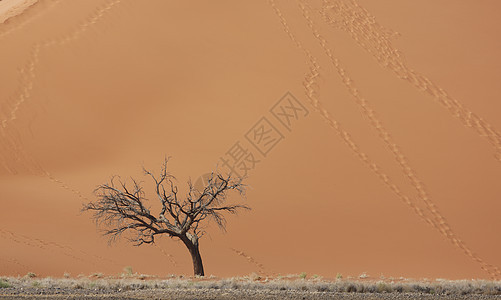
225	294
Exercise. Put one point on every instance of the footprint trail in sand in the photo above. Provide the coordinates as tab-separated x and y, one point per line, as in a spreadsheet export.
375	39
437	221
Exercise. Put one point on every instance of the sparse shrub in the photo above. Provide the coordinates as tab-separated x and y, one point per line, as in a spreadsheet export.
4	284
398	288
351	288
370	288
302	275
96	275
407	288
490	289
254	277
214	286
339	276
422	289
78	286
362	288
363	276
382	287
31	275
128	271
66	275
323	287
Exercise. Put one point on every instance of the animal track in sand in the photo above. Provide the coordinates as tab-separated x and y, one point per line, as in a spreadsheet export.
375	39
439	221
49	245
310	87
261	269
11	144
169	256
15	262
28	74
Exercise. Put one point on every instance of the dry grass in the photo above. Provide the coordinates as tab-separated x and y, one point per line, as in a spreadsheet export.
4	284
255	282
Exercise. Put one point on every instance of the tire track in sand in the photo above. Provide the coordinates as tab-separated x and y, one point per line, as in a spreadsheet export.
375	39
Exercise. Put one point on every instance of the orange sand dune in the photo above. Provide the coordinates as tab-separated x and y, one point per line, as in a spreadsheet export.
12	8
388	164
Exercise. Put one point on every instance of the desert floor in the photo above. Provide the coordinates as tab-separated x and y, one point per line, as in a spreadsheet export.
129	287
233	295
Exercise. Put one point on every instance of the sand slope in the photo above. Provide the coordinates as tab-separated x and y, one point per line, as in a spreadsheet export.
12	8
392	168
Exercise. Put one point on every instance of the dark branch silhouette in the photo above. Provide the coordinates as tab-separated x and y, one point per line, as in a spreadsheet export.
122	208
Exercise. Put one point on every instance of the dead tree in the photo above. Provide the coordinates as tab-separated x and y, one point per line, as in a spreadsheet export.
122	208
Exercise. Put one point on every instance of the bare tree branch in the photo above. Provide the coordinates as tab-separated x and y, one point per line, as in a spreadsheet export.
121	208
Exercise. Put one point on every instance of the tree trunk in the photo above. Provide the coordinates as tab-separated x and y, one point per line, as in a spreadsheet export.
198	267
